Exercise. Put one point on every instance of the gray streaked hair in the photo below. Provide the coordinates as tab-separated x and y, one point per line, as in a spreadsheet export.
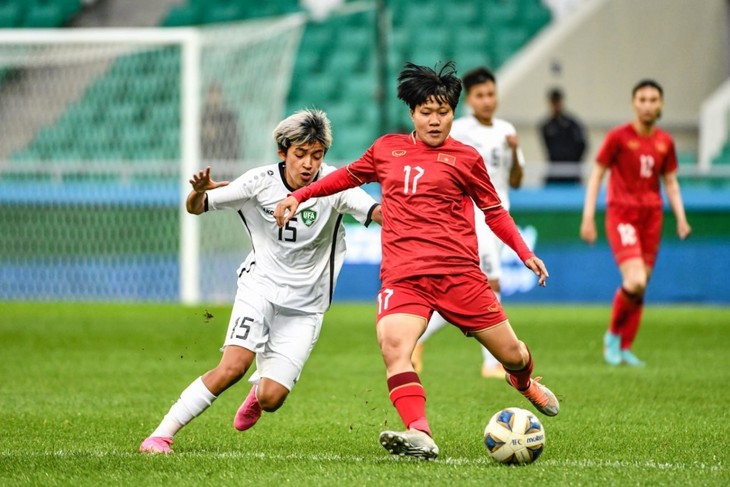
304	127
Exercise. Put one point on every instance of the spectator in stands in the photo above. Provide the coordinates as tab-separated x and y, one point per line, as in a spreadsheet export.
564	141
220	139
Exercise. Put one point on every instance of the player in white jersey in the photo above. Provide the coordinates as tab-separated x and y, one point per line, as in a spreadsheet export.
497	142
285	284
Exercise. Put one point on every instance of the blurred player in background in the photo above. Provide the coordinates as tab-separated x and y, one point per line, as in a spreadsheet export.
496	141
639	155
430	182
284	285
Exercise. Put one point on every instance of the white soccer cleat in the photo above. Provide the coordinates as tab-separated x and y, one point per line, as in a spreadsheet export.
411	443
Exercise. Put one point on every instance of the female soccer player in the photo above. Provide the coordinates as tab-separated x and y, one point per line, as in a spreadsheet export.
639	155
284	285
430	257
496	141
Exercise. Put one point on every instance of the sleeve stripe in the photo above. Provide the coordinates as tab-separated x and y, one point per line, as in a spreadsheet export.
369	218
358	179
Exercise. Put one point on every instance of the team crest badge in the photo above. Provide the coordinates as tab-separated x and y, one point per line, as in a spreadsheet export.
308	217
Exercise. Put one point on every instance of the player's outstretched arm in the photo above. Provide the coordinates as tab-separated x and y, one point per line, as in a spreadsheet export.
285	210
201	182
588	223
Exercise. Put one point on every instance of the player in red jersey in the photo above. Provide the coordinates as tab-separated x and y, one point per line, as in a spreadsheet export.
430	257
639	155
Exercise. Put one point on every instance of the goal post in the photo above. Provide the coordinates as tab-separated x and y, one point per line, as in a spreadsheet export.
103	129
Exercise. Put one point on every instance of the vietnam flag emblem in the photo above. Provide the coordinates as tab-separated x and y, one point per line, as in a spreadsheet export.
448	159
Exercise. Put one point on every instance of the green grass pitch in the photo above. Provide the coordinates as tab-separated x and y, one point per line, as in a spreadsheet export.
82	384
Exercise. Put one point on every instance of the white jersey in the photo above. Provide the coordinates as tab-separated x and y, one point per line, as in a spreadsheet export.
296	266
490	141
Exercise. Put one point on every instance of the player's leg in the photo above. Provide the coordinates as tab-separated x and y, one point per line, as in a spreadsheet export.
401	320
397	336
472	306
490	248
292	336
514	355
434	324
637	279
246	333
198	397
623	236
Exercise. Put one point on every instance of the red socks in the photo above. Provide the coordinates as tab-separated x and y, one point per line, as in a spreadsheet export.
520	379
626	316
409	398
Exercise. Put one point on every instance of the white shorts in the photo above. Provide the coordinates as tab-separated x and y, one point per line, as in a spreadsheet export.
282	338
490	252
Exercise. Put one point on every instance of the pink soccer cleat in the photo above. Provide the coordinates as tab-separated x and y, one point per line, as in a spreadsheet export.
156	444
249	412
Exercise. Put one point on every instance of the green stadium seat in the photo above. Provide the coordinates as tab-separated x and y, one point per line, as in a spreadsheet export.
501	12
219	11
11	13
44	14
183	15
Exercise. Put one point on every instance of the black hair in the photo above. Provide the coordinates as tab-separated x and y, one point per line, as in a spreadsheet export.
478	76
647	82
416	84
555	95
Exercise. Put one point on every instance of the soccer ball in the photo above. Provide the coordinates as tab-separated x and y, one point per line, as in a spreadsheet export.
514	436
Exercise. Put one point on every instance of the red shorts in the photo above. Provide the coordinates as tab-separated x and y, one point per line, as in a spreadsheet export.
634	232
465	300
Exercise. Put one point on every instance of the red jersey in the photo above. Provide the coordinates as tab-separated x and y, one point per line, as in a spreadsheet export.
428	215
636	162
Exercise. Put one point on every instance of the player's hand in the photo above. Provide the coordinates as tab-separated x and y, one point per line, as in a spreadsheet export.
201	181
538	267
588	231
683	229
512	141
285	210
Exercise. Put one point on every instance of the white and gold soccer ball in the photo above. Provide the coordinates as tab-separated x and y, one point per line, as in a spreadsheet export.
514	436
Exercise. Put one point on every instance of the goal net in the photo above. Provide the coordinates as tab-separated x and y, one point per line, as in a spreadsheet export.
102	128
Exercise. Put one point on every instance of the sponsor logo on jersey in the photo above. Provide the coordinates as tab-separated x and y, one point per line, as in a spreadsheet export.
308	217
448	159
398	153
633	144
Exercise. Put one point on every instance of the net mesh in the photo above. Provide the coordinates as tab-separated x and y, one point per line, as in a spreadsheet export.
90	158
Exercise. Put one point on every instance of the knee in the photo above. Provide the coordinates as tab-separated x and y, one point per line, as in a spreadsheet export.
271	400
516	356
393	346
636	284
229	373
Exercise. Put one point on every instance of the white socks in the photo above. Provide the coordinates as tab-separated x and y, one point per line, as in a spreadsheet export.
193	401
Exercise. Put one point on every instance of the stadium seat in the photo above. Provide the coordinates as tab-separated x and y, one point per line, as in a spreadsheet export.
44	13
219	11
11	13
183	15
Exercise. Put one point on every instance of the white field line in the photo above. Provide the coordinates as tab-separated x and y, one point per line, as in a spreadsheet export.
329	457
